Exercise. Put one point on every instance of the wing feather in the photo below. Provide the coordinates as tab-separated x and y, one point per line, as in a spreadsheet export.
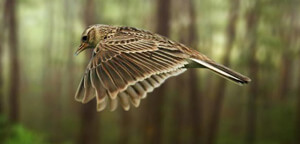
155	66
122	71
134	97
123	45
147	86
124	99
101	105
139	89
142	66
88	88
107	81
98	86
130	68
126	69
80	91
113	103
115	76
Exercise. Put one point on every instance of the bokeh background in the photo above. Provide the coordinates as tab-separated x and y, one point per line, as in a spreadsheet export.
39	73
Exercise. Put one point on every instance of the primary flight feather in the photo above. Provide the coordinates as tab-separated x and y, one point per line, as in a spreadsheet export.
127	63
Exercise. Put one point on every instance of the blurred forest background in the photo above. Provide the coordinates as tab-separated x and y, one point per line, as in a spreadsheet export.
39	73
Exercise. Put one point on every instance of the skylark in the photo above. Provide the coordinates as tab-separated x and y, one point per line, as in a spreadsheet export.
127	63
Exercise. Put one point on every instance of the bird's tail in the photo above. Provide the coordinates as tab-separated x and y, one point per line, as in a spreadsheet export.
225	72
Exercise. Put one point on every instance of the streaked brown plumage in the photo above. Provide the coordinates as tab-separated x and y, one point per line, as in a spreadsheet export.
128	63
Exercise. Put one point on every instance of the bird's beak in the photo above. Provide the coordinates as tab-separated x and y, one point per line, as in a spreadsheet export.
81	48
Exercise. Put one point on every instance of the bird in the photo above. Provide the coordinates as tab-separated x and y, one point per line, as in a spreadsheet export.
127	63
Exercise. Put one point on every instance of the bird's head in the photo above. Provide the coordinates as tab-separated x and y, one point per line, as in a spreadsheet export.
91	36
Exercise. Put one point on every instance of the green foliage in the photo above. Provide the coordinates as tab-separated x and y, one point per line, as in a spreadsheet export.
18	134
276	124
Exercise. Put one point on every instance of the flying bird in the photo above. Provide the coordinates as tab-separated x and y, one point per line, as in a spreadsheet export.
127	63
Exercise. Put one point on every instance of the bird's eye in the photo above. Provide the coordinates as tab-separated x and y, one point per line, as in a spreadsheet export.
84	38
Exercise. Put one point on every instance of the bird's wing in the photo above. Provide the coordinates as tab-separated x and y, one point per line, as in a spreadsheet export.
126	66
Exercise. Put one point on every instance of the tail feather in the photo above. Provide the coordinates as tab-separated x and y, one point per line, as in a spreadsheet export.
223	71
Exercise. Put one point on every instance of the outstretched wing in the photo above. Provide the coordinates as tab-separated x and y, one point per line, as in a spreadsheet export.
127	68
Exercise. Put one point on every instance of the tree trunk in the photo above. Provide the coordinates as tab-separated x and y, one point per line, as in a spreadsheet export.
50	106
1	81
154	115
70	33
251	26
2	26
89	127
285	73
14	62
297	38
195	106
288	36
298	107
178	114
220	87
125	127
89	131
163	17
